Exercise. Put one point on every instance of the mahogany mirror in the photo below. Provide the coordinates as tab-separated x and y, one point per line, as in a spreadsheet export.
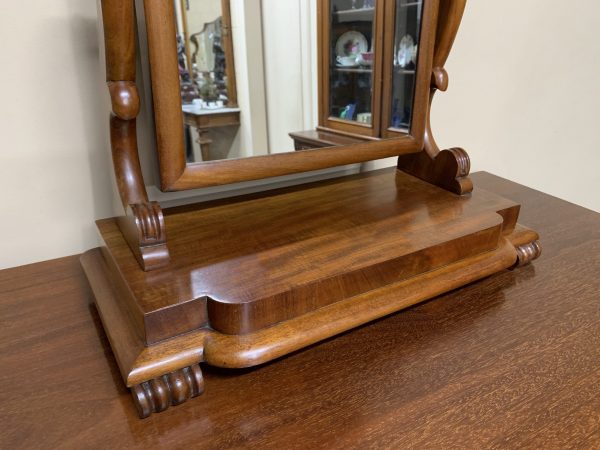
252	89
246	89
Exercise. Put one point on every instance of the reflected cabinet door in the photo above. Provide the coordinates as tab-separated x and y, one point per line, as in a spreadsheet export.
350	60
369	59
404	20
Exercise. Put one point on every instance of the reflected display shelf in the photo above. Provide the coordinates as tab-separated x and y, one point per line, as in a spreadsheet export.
353	70
356	15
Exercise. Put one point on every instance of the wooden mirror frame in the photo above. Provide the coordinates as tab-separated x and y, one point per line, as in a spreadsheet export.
177	175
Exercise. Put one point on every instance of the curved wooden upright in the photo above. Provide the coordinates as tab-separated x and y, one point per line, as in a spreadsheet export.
143	223
448	169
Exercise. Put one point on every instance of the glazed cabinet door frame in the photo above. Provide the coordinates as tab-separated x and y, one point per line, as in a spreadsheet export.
384	46
177	175
326	121
420	105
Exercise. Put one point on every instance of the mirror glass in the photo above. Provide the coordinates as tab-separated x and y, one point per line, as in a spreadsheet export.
352	39
407	33
251	82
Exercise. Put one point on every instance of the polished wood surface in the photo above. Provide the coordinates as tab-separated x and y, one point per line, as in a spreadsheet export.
256	277
448	168
251	262
141	365
215	120
512	361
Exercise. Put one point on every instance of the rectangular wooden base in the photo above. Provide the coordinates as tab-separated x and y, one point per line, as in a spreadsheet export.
255	278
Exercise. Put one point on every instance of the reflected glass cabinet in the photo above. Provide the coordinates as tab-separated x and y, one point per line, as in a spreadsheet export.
367	89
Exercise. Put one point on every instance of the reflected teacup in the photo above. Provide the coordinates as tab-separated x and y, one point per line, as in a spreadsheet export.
346	60
365	59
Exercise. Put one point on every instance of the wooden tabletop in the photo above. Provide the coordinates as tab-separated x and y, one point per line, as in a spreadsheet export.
512	361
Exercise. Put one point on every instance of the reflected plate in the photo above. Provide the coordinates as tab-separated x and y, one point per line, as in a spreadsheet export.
407	51
351	43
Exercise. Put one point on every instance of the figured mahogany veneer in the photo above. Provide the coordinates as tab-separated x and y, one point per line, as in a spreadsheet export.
256	277
249	263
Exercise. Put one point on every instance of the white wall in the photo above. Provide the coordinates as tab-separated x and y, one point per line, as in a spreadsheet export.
55	170
524	96
291	76
523	101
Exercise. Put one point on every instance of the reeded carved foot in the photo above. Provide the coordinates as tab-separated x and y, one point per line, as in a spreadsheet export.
169	390
144	230
528	253
527	244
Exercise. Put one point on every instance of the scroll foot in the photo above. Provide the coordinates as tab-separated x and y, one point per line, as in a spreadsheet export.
528	253
173	389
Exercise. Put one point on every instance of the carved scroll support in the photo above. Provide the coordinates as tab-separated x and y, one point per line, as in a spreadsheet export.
448	169
173	389
143	225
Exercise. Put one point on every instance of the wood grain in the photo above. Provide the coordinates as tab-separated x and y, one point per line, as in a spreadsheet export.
250	262
512	361
140	364
256	277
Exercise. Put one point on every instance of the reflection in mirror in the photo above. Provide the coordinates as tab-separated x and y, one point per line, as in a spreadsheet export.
406	45
352	41
251	80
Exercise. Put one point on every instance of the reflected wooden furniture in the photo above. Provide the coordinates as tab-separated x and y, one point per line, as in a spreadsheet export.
244	281
384	72
510	361
379	26
190	37
306	140
204	120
